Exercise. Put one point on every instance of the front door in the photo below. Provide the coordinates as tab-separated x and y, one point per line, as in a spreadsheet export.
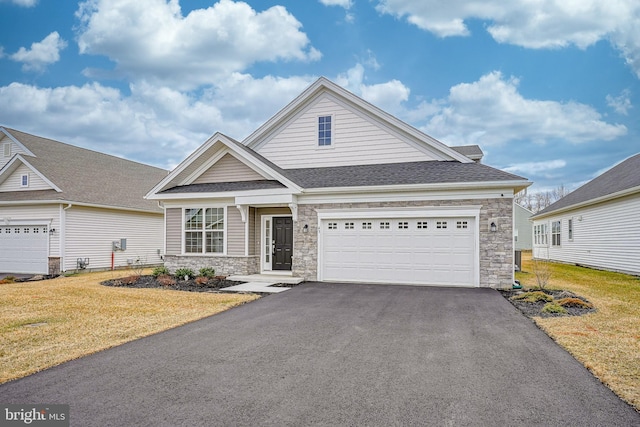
282	245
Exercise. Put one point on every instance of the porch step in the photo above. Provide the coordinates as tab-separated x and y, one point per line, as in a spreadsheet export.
267	278
262	287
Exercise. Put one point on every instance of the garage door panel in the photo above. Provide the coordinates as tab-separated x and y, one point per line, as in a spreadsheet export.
24	249
424	250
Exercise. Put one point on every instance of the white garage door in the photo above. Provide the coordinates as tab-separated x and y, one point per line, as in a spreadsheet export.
24	249
421	251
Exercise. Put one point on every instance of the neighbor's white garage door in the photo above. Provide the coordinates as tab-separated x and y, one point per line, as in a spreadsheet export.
421	251
24	249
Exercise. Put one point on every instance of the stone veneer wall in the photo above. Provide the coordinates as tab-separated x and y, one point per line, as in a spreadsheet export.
224	265
496	249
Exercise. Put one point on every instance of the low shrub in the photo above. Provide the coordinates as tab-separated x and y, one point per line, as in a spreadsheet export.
207	272
184	273
8	279
129	280
160	271
202	280
166	280
533	296
553	308
574	302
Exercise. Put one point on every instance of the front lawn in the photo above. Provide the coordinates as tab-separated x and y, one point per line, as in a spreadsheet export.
48	322
607	341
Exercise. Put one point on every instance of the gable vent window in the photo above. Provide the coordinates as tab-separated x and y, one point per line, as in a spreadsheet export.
24	180
6	150
324	131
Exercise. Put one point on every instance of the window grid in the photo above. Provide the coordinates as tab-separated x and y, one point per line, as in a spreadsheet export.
333	226
384	226
324	131
204	230
403	225
366	226
555	233
348	225
441	224
422	225
462	224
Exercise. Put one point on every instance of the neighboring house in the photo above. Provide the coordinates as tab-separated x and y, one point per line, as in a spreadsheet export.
597	224
63	206
332	188
522	228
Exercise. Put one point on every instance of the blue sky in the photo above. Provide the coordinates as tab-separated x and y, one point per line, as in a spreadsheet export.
547	89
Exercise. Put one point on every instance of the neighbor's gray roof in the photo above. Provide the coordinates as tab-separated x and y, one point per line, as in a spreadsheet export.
471	151
622	177
86	176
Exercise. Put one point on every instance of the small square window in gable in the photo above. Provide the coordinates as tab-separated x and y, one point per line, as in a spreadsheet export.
324	131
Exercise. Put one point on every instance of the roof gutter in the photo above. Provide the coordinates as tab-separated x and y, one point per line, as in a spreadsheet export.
517	185
70	204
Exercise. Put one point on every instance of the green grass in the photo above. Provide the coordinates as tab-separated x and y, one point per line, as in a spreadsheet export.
607	342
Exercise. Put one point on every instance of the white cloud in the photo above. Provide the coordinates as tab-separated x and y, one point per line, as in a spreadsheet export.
24	3
388	96
491	111
154	124
531	24
534	168
41	53
342	3
150	39
621	104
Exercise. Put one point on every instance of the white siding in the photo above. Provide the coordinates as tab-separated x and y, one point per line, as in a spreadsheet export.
605	236
174	231
356	140
228	169
14	181
37	214
235	232
91	231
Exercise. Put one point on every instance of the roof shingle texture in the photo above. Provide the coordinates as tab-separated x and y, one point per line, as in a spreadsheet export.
87	176
622	177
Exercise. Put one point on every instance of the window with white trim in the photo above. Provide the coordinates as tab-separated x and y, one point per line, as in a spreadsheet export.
6	149
555	233
324	131
540	234
204	230
24	180
570	230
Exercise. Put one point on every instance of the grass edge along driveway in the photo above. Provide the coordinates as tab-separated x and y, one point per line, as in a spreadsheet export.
46	323
606	342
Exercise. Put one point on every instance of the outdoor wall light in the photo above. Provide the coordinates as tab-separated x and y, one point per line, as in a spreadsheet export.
305	229
493	227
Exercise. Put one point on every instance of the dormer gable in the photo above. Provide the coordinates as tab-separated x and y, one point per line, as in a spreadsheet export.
228	169
10	146
358	133
20	175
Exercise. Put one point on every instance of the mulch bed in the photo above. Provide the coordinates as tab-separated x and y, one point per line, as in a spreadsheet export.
534	309
212	285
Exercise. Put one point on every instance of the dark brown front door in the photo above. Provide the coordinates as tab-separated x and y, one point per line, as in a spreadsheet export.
282	243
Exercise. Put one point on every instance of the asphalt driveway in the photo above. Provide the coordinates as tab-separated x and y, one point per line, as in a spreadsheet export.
336	354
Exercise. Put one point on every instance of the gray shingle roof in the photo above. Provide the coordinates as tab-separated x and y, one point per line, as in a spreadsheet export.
429	172
619	178
224	186
87	176
471	151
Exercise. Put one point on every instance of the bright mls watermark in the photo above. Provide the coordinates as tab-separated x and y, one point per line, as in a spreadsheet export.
34	415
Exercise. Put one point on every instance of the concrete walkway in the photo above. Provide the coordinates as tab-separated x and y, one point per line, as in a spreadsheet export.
262	287
334	355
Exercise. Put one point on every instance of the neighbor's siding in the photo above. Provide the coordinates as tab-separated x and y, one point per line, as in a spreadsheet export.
15	149
14	181
91	231
174	231
524	227
357	140
605	236
228	169
45	213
